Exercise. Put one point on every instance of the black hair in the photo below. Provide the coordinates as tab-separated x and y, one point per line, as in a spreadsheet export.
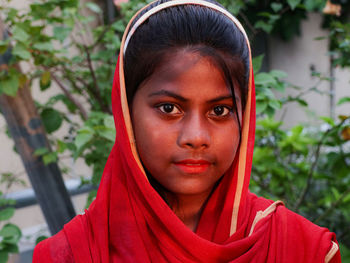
198	29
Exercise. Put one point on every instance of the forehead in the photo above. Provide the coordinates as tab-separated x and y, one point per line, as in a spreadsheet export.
184	68
190	73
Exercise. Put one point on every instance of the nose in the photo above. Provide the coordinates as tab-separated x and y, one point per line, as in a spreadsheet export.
194	132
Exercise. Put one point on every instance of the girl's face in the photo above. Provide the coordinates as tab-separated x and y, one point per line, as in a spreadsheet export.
185	126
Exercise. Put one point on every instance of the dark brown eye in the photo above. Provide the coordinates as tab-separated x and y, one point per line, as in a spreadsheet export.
220	111
169	108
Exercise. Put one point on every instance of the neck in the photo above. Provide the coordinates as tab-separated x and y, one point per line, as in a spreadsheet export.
188	207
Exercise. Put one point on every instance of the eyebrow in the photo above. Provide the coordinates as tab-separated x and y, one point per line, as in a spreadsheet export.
179	97
221	98
169	94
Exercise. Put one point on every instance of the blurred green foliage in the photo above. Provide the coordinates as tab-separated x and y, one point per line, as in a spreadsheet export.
68	44
308	168
10	234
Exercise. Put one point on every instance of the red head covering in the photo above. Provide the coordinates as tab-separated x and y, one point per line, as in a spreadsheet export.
130	222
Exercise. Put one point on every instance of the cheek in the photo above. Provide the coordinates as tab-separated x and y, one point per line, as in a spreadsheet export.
227	142
153	138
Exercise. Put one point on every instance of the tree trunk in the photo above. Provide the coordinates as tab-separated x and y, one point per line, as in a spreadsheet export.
28	133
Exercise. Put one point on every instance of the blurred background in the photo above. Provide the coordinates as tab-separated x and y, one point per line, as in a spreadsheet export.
57	60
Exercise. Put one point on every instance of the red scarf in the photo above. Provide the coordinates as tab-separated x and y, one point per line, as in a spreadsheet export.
130	222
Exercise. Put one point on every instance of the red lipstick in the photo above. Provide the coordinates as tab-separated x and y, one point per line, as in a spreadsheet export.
191	166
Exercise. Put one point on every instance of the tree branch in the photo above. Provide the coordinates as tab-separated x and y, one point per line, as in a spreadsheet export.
70	97
66	73
249	25
313	167
90	90
310	175
100	37
97	93
333	206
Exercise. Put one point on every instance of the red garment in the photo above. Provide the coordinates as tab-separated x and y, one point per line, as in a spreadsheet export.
130	222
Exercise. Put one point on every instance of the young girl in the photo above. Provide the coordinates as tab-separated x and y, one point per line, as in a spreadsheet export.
175	186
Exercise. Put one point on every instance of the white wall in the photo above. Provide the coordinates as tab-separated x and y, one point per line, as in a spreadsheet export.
296	58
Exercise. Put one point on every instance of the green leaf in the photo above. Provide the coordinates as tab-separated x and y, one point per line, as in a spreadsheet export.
60	97
267	92
82	139
320	38
22	80
260	107
108	134
21	52
293	3
280	86
257	62
10	84
297	130
4	256
343	100
12	13
264	79
274	18
279	74
10	230
50	158
39	239
41	151
312	5
275	104
4	46
93	7
7	213
270	112
335	193
11	245
108	121
264	14
118	26
328	120
264	26
61	32
276	7
43	46
302	102
45	80
346	198
61	146
19	34
52	119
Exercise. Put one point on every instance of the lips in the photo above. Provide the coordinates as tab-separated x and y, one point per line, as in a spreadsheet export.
191	166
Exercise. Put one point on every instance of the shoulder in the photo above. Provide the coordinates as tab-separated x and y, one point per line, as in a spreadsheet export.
297	223
54	249
315	239
293	234
286	218
311	240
